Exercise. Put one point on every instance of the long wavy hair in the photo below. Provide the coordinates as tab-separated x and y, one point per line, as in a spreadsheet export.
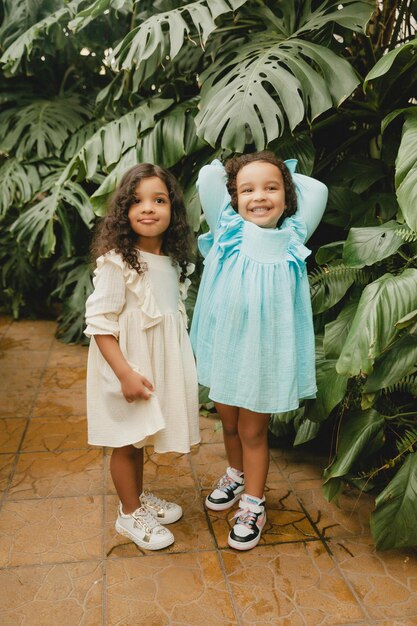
235	164
114	231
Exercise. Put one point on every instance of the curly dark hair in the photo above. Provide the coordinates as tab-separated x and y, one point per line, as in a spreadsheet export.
114	231
235	164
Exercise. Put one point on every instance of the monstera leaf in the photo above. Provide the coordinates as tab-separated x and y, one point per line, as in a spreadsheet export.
49	29
18	183
267	83
162	36
93	10
165	143
36	225
111	141
41	128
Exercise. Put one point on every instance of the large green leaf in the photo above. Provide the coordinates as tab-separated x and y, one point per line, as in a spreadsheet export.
359	433
336	332
366	246
331	388
41	128
406	170
36	225
385	62
394	523
18	16
162	36
329	284
95	9
18	183
382	303
395	363
306	431
49	29
107	145
267	83
171	138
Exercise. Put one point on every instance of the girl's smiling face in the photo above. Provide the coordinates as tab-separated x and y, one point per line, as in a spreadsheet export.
260	193
150	213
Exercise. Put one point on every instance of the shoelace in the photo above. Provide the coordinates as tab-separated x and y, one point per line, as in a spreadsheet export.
146	520
245	517
150	497
226	482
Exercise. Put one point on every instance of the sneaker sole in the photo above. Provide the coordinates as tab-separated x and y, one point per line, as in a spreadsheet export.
223	506
237	545
143	544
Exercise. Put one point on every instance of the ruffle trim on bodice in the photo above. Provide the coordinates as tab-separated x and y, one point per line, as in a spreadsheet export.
230	232
297	252
139	285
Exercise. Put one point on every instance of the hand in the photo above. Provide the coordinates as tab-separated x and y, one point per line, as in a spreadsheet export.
135	386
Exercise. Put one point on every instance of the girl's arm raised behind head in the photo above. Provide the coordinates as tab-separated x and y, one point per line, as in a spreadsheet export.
311	201
212	190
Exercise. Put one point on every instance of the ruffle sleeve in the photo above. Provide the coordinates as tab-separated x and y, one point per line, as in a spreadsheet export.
228	235
297	252
105	304
112	277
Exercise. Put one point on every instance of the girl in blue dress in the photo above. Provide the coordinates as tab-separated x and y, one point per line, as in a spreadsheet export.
252	329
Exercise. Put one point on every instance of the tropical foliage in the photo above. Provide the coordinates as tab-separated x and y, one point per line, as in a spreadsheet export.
92	87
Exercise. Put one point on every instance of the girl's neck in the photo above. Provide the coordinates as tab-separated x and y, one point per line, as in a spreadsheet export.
153	246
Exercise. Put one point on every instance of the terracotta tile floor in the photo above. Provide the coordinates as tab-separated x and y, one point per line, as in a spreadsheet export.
61	562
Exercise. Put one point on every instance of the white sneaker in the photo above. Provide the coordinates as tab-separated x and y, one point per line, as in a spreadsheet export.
142	528
227	491
165	512
250	520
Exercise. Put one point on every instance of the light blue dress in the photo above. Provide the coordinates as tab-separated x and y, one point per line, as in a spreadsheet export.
252	330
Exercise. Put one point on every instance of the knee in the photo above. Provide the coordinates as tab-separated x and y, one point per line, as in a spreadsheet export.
229	428
253	437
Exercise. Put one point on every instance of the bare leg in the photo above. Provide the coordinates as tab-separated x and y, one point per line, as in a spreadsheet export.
229	416
253	431
126	467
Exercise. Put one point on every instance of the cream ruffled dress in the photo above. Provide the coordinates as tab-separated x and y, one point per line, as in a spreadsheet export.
146	313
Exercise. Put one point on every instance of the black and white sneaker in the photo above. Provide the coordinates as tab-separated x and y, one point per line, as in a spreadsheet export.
250	520
227	492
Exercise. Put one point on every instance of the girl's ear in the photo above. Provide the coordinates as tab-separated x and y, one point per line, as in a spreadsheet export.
291	165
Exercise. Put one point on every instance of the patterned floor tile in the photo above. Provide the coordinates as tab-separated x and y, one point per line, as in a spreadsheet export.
298	584
53	433
385	581
11	431
187	589
69	594
54	474
50	531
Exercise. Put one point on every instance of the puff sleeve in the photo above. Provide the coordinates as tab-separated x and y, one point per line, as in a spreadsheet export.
105	304
311	200
212	190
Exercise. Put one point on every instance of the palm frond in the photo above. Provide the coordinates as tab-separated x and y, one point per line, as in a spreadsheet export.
407	234
329	283
408	442
408	384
